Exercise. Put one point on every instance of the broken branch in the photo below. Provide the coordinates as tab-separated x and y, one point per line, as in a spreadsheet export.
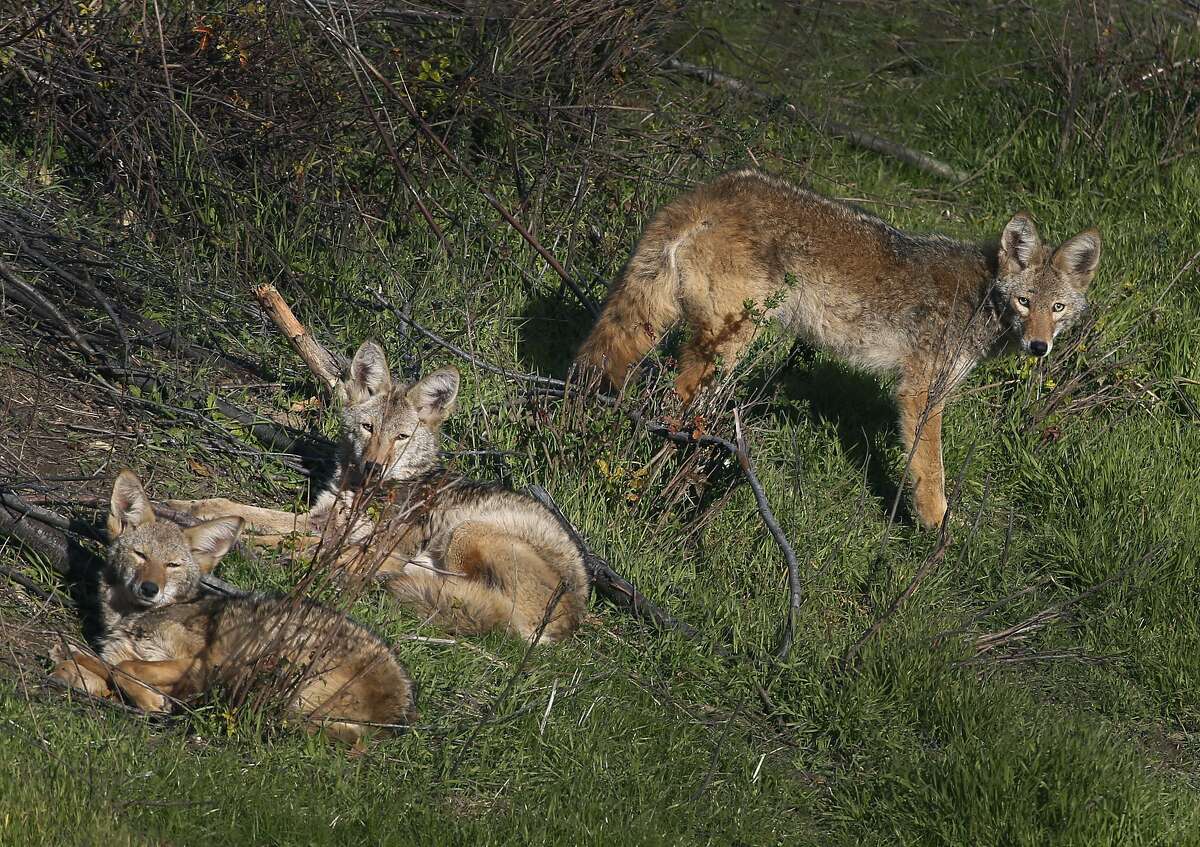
326	365
857	137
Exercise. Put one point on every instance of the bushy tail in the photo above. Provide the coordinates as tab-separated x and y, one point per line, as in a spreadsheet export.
456	604
642	304
490	580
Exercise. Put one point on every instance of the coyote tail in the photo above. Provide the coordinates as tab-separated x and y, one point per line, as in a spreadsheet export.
643	303
531	594
457	604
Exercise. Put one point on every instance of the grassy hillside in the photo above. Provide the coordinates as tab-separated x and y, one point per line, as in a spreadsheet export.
1040	686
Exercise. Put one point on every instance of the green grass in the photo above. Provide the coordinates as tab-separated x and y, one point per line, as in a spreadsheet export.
653	739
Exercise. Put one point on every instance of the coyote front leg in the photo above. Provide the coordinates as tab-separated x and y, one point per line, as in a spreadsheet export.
921	432
84	672
151	684
267	527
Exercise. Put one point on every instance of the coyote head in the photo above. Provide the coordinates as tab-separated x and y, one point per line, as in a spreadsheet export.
157	563
1043	290
392	432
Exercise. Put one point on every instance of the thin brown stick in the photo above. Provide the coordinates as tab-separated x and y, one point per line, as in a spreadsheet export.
1049	615
795	591
27	294
324	363
552	385
33	588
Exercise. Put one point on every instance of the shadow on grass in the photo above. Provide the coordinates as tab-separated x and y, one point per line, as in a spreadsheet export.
555	324
860	410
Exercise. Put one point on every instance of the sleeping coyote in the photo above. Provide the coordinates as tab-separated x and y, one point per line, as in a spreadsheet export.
163	640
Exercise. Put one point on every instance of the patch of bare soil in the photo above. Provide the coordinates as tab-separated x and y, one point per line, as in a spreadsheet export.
56	433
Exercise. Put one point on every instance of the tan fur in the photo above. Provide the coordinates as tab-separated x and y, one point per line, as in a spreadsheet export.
924	308
269	528
469	557
165	641
473	558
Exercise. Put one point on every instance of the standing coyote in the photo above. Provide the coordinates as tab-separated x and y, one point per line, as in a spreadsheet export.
164	640
923	307
471	557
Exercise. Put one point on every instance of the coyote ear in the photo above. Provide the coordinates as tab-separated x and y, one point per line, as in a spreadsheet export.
1018	243
1076	260
211	540
368	373
433	397
129	507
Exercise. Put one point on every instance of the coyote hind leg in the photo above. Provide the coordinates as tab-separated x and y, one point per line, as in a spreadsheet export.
721	285
725	338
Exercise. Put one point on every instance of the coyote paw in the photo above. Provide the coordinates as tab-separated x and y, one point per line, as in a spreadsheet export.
71	672
931	514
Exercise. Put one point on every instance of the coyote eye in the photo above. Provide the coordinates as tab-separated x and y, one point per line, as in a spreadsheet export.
368	427
402	437
174	564
1058	307
1024	301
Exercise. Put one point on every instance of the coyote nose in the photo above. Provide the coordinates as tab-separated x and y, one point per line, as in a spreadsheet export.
148	588
1038	348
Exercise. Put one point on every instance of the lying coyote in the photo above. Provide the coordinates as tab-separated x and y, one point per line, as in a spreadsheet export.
163	640
923	307
471	557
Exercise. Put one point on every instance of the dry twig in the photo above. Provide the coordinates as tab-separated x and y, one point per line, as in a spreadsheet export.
859	138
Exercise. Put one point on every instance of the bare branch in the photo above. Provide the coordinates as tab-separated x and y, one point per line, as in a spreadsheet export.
857	137
326	365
